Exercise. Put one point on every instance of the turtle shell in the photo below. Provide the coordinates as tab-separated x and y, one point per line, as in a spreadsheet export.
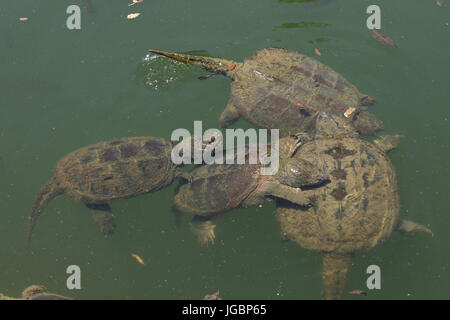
217	188
116	169
280	88
359	207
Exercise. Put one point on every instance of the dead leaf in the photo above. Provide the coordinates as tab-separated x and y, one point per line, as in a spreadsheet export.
358	292
138	259
135	2
383	38
349	112
133	15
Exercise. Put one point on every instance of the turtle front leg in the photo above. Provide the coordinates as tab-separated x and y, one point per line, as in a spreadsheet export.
366	100
388	142
229	115
184	175
203	229
103	216
412	227
294	195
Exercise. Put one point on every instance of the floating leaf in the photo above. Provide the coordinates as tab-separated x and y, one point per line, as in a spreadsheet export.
383	38
138	259
358	292
135	2
133	15
348	113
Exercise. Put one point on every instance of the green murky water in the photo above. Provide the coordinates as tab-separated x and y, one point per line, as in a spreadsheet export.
93	85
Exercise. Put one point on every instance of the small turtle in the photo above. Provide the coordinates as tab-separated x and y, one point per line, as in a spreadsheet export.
111	170
280	88
218	188
357	210
36	292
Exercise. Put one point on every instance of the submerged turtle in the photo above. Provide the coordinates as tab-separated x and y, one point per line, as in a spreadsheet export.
217	188
357	210
280	88
111	170
442	3
35	292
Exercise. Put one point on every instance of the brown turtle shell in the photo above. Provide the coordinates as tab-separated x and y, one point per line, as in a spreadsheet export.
217	188
359	207
280	88
116	169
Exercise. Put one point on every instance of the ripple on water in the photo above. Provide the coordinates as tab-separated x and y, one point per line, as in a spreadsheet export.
157	72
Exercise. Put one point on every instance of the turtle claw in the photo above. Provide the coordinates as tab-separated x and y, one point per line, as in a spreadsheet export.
103	217
366	100
186	176
413	227
203	231
388	142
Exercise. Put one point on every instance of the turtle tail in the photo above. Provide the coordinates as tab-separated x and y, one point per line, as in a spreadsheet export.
48	191
334	274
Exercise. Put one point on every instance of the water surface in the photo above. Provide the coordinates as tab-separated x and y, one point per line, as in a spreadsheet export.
62	89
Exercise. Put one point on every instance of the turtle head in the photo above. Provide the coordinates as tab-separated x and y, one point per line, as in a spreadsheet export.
298	173
334	125
366	123
215	65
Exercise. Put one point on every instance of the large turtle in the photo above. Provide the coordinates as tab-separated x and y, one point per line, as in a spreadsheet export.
36	292
357	210
111	170
217	188
280	88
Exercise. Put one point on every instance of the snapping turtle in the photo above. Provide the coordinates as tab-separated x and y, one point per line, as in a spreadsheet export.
357	210
111	170
280	88
217	188
35	292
